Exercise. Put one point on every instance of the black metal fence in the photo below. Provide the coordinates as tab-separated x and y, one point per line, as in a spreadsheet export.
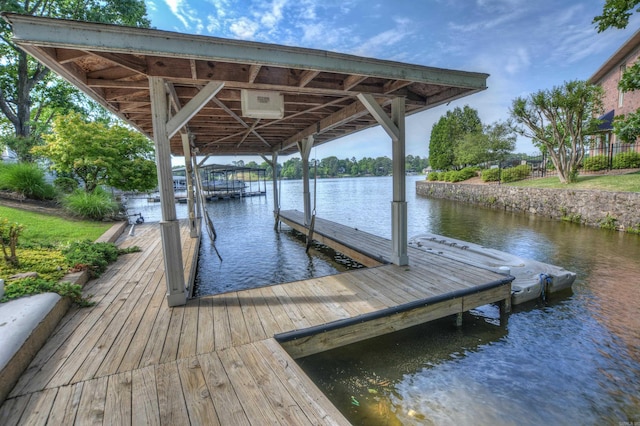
605	156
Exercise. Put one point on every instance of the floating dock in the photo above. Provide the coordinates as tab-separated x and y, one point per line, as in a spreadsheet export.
228	358
533	279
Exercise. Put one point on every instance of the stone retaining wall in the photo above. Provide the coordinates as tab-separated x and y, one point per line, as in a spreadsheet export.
619	210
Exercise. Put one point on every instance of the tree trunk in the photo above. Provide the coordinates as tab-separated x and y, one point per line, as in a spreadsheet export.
23	113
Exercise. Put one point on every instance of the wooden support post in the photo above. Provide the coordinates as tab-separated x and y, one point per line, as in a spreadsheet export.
276	200
395	128
169	226
188	166
399	238
459	319
505	306
305	151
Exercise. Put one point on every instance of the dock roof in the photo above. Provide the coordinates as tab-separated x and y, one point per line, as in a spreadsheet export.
112	64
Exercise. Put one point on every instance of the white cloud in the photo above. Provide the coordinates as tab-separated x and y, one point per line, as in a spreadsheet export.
517	61
381	42
244	28
185	14
273	15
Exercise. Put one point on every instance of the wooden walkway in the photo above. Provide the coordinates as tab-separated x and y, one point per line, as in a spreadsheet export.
131	359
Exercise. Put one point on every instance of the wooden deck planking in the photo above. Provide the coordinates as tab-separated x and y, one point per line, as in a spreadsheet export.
118	409
132	360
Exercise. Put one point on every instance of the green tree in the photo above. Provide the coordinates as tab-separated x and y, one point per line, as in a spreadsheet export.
448	132
616	14
29	93
558	122
100	154
494	143
382	166
292	168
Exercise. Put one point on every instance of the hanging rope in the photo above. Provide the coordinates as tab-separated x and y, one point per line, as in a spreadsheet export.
545	285
313	212
211	230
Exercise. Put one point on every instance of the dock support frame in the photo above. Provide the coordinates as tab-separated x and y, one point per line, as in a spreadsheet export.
188	166
395	128
169	225
305	146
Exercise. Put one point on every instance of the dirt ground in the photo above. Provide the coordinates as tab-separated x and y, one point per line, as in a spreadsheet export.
45	207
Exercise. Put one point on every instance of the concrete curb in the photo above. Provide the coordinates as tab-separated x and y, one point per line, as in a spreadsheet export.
27	323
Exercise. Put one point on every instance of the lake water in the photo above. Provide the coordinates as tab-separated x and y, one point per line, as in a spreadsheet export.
572	360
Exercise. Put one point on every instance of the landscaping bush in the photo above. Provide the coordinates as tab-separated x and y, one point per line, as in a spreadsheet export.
626	160
491	175
448	176
96	205
91	256
468	173
26	179
28	286
66	184
433	176
595	163
513	174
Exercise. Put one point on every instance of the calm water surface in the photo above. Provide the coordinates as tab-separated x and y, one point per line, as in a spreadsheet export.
572	360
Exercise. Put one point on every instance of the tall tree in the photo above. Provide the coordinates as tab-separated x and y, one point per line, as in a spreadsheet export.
616	14
494	143
26	86
558	122
448	132
100	154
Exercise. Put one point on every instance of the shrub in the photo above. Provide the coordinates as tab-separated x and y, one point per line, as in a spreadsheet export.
9	234
66	184
491	175
433	176
93	257
28	286
626	160
468	173
26	179
595	163
96	205
513	174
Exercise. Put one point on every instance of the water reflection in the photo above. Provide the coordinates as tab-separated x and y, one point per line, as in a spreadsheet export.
574	360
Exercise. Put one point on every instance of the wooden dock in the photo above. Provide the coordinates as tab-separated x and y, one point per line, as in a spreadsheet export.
131	359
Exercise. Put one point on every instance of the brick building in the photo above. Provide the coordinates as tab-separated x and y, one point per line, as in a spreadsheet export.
616	102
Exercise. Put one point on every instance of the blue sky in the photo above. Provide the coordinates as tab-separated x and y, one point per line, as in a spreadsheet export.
524	45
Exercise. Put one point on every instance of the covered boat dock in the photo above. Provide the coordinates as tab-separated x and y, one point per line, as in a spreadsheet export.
201	96
146	353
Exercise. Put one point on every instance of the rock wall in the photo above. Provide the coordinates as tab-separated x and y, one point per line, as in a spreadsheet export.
613	210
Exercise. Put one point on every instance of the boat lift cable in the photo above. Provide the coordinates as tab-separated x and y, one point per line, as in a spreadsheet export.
313	212
211	230
278	225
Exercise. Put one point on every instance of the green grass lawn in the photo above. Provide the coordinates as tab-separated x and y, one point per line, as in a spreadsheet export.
41	230
622	183
39	250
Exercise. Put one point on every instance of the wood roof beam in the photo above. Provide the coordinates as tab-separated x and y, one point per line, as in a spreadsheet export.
128	61
391	86
349	113
253	72
352	81
306	77
241	121
64	56
185	113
